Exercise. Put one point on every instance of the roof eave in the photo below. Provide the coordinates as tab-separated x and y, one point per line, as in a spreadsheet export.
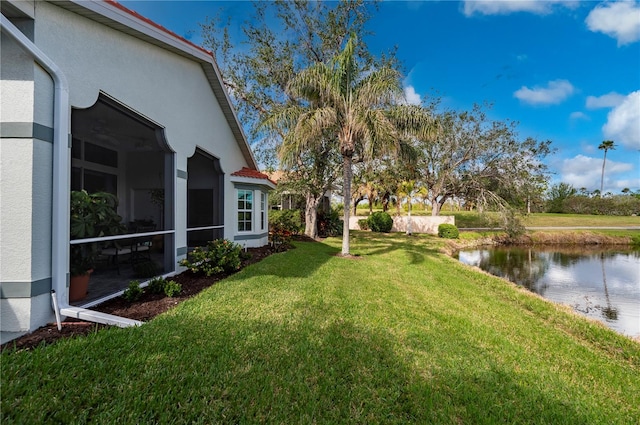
253	181
118	17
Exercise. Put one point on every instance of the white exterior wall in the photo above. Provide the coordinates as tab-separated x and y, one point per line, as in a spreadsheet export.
419	224
25	190
167	88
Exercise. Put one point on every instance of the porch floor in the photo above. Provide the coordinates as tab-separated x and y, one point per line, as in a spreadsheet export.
106	281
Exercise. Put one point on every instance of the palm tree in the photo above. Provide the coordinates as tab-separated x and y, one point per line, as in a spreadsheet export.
357	107
605	146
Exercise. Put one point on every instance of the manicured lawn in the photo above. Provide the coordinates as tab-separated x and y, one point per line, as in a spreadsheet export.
471	219
402	334
551	220
466	219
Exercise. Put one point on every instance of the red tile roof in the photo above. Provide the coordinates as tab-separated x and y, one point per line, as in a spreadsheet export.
252	174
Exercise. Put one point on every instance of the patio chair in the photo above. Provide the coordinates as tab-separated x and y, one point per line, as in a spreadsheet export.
117	249
141	249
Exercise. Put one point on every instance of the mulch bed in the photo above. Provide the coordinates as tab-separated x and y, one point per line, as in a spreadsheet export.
146	308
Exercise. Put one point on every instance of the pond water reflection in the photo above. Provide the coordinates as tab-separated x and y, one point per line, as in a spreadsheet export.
601	283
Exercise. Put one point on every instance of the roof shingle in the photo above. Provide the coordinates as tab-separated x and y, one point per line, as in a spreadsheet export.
252	174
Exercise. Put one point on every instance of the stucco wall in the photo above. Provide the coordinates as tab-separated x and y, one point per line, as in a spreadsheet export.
169	89
26	105
419	224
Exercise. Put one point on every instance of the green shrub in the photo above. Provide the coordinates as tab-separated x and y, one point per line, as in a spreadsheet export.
619	205
156	285
172	288
287	220
219	256
279	237
363	223
133	292
512	224
635	240
380	221
448	231
160	285
329	223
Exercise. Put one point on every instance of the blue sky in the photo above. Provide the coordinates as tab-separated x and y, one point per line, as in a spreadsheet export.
567	71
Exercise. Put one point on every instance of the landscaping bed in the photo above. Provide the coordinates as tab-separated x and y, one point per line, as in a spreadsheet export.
144	309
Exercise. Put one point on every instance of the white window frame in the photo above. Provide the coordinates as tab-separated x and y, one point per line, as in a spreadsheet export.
263	210
251	211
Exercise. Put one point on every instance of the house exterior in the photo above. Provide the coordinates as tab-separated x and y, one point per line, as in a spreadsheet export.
95	97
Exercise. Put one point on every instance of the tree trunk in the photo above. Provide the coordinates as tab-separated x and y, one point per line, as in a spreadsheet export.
311	215
604	161
356	202
441	204
346	195
435	207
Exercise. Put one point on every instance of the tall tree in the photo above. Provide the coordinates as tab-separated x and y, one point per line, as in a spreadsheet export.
606	145
281	39
355	103
476	159
556	196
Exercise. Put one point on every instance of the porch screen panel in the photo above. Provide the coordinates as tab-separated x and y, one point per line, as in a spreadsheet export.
204	199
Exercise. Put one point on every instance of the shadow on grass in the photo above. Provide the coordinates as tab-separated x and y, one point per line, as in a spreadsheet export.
301	261
234	370
415	247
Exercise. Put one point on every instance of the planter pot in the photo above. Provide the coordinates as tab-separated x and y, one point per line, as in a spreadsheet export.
79	286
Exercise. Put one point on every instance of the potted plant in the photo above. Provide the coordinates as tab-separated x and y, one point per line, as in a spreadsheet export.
92	215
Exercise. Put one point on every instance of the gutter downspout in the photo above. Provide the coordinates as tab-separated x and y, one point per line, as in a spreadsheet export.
60	213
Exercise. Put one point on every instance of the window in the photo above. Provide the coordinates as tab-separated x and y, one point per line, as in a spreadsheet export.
245	210
263	204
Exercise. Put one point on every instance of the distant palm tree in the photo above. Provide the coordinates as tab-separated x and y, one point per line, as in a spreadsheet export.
355	107
605	146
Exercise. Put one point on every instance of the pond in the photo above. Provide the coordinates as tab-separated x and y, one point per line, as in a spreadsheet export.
599	282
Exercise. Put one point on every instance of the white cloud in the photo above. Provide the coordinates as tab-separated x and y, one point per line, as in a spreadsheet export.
501	7
608	100
555	92
579	116
412	98
623	122
584	171
620	20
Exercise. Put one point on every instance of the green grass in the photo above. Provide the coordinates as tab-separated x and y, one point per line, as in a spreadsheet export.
471	219
401	334
466	219
551	220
